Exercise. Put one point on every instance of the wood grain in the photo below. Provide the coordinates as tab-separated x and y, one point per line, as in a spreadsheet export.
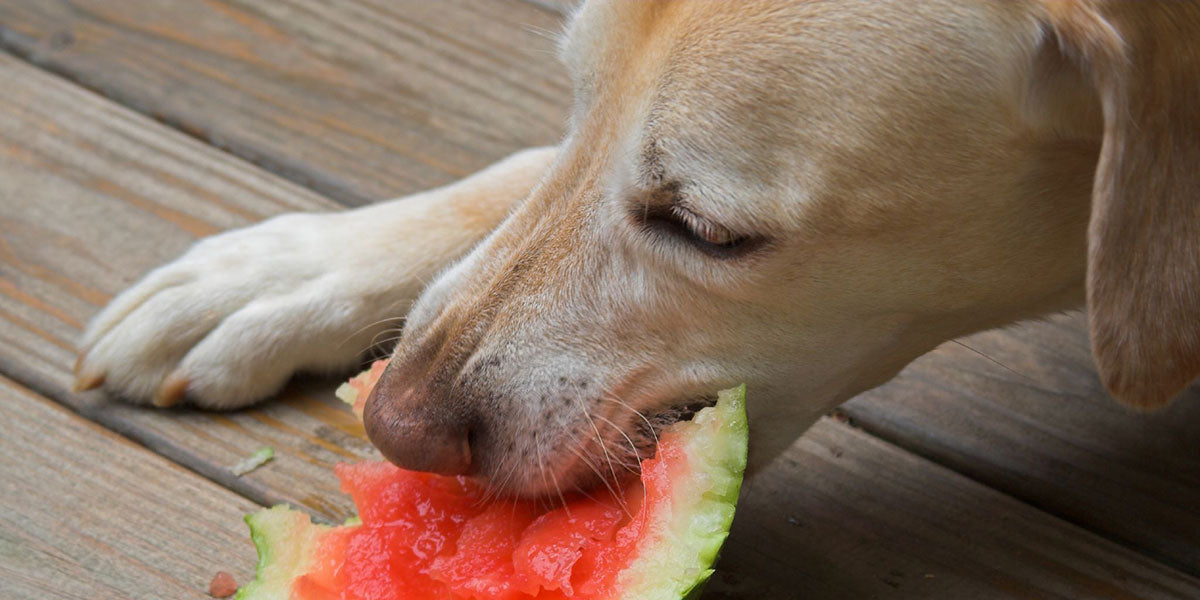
375	99
1040	426
359	100
408	99
92	196
844	515
87	515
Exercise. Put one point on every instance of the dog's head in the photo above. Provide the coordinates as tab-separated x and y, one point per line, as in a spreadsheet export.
805	196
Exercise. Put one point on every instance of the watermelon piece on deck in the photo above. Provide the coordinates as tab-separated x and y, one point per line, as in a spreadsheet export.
355	391
425	536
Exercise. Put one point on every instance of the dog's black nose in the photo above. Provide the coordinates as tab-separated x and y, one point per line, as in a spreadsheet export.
415	431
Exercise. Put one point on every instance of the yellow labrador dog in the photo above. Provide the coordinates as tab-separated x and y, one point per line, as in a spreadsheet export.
803	195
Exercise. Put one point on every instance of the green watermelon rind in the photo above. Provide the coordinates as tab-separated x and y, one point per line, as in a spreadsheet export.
691	533
286	542
685	539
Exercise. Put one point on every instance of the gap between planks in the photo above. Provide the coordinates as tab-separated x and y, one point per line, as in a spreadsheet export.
87	514
406	69
245	426
406	103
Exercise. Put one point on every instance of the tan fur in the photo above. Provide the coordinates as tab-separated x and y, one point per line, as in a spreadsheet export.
905	173
1144	238
920	171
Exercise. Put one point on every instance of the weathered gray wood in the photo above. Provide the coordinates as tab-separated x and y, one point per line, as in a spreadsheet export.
1050	435
845	515
360	100
92	196
365	100
374	101
95	194
87	515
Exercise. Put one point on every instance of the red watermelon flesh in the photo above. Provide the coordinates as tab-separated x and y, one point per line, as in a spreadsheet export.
425	536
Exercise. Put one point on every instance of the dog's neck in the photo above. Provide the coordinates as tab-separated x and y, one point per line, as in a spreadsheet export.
1065	129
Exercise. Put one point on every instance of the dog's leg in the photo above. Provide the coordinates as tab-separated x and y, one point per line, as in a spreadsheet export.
232	319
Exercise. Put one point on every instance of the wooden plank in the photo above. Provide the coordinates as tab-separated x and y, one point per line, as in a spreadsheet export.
89	515
86	514
845	515
104	194
92	196
359	100
410	101
1043	429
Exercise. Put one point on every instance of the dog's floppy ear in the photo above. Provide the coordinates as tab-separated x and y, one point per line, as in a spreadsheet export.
1143	279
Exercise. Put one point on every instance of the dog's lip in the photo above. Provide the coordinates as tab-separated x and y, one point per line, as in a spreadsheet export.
642	439
681	410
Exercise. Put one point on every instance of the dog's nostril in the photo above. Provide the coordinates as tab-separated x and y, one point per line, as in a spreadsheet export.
412	436
417	444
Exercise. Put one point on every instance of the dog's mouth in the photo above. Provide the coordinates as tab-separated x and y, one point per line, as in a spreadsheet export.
654	423
603	452
635	441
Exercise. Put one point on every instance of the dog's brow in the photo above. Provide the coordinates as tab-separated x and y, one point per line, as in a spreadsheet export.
650	165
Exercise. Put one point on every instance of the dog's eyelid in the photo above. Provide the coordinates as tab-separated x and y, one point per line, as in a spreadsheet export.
667	213
711	232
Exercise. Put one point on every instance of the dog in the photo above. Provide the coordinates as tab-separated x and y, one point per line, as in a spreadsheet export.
801	195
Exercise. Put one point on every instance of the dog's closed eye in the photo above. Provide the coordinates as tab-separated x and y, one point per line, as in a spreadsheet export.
678	222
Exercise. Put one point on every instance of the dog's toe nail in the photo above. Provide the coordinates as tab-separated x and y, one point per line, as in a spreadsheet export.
172	390
87	381
79	362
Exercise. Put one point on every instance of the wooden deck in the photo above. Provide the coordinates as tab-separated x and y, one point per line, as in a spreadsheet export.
130	128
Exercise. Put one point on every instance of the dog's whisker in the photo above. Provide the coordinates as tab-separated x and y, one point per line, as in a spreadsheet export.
425	280
561	498
542	32
360	330
543	471
393	334
492	489
495	489
514	467
632	446
1004	366
649	426
582	491
592	466
618	498
537	449
599	438
374	352
375	342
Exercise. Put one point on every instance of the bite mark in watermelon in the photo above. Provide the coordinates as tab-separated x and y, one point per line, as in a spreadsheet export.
425	536
355	391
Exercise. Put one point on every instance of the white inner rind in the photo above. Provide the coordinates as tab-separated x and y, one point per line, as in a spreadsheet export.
346	393
674	556
678	551
286	541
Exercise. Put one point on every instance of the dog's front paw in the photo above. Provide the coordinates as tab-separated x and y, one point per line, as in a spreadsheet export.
229	322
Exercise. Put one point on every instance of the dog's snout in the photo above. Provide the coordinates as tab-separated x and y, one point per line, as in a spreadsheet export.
413	432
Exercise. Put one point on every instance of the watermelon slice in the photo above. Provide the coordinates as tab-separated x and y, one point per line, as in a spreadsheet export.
423	536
